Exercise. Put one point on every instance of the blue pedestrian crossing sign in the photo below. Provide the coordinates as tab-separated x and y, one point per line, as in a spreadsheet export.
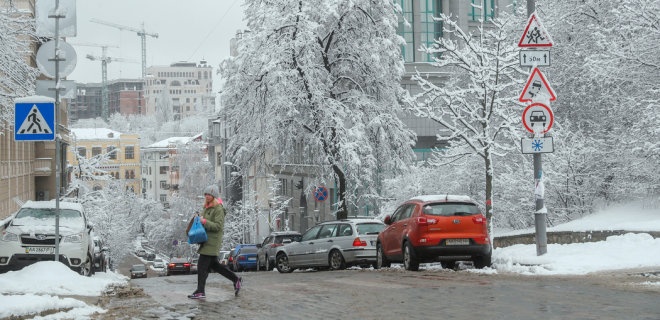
34	119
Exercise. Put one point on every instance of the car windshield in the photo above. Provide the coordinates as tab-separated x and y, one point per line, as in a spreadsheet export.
38	216
370	228
451	209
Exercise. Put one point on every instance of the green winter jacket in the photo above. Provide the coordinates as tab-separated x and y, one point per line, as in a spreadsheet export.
215	223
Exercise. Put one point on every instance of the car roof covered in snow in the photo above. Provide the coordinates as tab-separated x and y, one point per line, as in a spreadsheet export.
51	204
442	197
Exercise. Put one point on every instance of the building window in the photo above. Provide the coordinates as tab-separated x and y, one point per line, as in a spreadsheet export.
96	151
129	152
82	152
482	9
283	186
163	184
425	31
112	152
163	198
163	169
219	159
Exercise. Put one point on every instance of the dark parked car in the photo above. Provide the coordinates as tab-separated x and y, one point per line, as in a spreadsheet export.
267	249
332	245
138	271
178	265
246	259
101	257
445	228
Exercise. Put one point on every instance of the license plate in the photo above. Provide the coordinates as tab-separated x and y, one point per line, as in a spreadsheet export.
40	250
457	242
252	259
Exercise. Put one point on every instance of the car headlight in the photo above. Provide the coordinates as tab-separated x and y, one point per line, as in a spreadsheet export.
8	236
73	238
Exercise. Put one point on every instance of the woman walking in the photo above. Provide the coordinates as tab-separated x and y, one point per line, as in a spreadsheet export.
213	219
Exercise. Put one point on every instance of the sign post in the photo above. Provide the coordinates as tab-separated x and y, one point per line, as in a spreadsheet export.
537	117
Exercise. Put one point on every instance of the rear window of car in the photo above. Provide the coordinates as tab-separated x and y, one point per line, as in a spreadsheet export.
370	228
139	267
248	250
451	209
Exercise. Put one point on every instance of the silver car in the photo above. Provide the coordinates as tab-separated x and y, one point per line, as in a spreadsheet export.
268	248
334	245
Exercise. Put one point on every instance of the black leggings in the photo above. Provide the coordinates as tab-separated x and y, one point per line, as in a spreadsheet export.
208	263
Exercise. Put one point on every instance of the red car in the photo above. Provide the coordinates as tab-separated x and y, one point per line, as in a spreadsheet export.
445	228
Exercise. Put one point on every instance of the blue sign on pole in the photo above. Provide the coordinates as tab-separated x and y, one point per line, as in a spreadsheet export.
34	121
321	193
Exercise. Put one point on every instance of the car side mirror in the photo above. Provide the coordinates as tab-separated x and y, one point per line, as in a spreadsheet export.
388	220
258	245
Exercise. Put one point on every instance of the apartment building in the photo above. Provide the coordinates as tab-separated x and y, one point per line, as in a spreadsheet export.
121	152
28	168
179	90
160	167
125	96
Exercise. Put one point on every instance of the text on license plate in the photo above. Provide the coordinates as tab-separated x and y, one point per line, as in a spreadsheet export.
40	250
252	258
457	242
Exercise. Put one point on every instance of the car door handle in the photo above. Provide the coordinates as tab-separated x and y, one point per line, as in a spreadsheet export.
330	240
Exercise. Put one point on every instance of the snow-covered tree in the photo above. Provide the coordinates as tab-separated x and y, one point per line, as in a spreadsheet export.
608	95
477	103
319	80
17	77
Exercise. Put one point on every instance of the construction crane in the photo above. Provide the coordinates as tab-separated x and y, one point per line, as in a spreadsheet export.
104	72
140	32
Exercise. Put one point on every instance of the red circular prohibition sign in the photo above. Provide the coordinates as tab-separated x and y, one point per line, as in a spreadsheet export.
529	118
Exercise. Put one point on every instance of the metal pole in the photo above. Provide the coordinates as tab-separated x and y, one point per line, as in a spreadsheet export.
57	17
540	214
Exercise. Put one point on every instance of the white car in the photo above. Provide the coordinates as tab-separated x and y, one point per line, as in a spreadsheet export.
29	237
160	267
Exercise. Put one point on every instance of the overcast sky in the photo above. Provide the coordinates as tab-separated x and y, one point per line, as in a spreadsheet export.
187	31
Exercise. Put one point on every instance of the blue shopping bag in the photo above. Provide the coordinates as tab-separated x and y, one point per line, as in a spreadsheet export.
197	233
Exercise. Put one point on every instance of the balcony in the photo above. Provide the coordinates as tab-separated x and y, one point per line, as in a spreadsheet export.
42	167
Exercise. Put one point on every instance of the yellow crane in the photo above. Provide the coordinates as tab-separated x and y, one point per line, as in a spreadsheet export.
140	32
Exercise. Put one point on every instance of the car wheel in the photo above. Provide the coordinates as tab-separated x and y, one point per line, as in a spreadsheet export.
481	262
410	261
336	260
282	263
381	260
87	268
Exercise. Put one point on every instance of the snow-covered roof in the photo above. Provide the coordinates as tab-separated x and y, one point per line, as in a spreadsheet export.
95	134
165	143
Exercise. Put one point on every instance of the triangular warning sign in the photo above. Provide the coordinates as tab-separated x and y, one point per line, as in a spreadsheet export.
536	88
535	34
34	123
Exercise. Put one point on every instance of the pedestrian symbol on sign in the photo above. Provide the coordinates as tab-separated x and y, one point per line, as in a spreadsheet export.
34	123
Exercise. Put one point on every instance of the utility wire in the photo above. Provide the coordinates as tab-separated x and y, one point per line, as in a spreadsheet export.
212	30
